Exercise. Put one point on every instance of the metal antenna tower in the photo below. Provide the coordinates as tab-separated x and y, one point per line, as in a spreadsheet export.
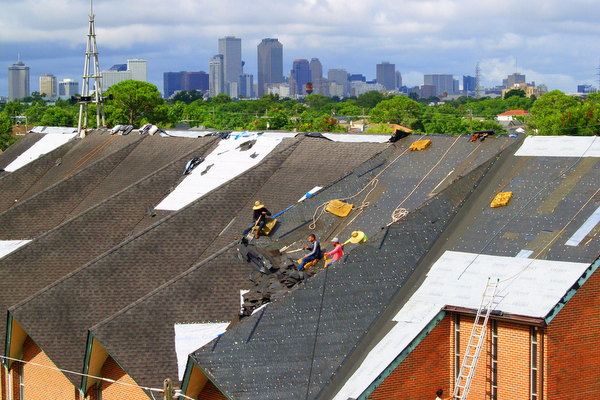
477	81
91	94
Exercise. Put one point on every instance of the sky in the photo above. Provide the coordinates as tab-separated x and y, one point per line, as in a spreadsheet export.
555	42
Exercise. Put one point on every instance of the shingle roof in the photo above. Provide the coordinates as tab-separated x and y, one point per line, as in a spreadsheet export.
210	291
514	113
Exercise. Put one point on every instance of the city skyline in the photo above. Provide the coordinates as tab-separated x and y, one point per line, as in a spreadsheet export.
550	42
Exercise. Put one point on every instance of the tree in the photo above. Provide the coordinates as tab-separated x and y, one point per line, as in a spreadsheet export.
6	137
514	92
316	101
555	113
369	99
398	110
56	116
135	100
187	96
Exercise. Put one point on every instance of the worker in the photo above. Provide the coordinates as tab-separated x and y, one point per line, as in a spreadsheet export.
356	237
336	253
259	217
315	252
439	395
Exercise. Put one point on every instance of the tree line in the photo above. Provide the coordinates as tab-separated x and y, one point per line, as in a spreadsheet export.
137	103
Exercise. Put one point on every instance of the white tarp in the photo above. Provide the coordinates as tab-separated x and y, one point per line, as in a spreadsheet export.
191	337
560	146
55	130
8	246
224	163
586	228
310	193
43	146
459	279
186	134
358	138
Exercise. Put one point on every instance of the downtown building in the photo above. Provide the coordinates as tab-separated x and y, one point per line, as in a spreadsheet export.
386	75
48	86
216	77
300	75
18	81
136	70
184	80
231	49
67	88
270	64
444	84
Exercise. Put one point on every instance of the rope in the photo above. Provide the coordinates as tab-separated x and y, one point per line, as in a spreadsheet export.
83	160
400	212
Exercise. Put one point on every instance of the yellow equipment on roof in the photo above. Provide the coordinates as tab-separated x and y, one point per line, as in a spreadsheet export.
420	145
501	199
268	228
339	208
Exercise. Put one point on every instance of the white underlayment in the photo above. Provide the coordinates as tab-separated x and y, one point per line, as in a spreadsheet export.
60	130
560	146
586	228
442	286
8	246
358	138
48	143
191	337
226	162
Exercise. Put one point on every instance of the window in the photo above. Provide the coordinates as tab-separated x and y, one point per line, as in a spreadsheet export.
494	359
21	381
456	346
534	363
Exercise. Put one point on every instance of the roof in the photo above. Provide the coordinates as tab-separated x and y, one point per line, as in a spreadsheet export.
308	345
515	113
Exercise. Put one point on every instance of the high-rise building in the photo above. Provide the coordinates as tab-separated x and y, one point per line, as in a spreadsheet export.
513	80
386	75
469	85
216	77
231	49
586	89
139	70
68	88
316	69
172	82
357	78
338	82
247	86
110	78
270	64
18	81
398	80
299	77
48	85
118	67
195	81
444	83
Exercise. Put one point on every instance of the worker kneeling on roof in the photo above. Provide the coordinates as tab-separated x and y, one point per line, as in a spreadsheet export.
315	252
260	215
336	253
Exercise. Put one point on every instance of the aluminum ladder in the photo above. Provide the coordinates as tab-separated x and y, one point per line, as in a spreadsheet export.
476	341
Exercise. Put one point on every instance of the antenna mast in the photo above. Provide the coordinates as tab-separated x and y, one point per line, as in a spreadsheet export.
91	94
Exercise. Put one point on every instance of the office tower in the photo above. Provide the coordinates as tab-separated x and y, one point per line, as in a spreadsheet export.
469	85
357	78
48	86
386	75
139	70
247	86
270	64
444	83
195	81
172	82
586	89
18	81
299	77
68	88
398	80
110	78
231	49
316	69
338	82
513	79
216	79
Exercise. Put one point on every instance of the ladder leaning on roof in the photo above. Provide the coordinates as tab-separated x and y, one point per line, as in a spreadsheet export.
473	350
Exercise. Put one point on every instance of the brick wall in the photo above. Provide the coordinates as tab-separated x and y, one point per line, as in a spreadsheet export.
117	391
425	370
573	353
210	392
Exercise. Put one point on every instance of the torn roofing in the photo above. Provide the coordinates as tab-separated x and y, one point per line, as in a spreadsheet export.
85	237
58	317
292	347
210	291
93	184
404	179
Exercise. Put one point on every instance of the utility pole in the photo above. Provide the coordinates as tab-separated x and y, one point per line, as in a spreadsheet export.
168	389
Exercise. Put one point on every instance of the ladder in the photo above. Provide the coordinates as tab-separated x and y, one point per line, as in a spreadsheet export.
476	341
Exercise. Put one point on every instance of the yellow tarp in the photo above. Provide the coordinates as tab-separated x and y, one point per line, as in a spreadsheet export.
339	208
501	199
420	145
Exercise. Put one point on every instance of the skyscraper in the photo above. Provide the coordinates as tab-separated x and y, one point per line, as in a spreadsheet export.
270	64
513	79
398	80
216	77
247	86
444	83
172	82
67	88
299	77
195	81
316	69
139	70
469	85
18	81
386	75
48	85
231	49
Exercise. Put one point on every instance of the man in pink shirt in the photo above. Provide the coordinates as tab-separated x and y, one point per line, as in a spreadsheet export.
336	253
